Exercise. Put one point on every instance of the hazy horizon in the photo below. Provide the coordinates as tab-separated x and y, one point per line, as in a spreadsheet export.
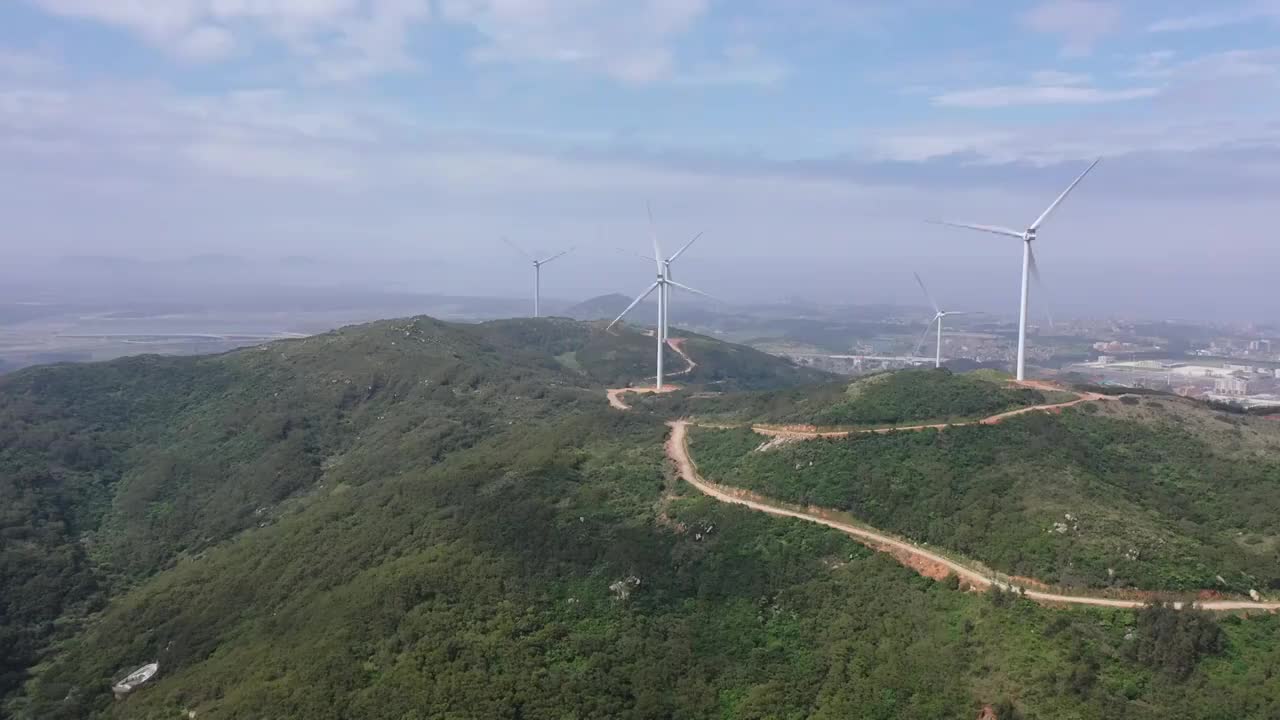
389	144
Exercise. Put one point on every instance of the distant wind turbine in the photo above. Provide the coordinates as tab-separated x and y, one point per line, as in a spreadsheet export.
1029	268
663	285
537	272
938	314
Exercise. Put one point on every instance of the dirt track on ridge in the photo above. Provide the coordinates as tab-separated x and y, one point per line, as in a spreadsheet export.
908	553
924	561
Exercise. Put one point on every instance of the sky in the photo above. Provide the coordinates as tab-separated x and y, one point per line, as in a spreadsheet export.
392	143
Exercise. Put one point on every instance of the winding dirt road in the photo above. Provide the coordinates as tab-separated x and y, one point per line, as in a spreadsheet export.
678	451
911	555
615	395
810	433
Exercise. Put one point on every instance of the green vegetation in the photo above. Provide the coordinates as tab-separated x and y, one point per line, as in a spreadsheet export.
914	395
1104	496
111	472
417	519
1173	641
903	397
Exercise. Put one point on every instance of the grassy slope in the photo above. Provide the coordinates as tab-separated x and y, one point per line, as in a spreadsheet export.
1156	499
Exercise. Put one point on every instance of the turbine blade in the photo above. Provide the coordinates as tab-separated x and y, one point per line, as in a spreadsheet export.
634	303
653	234
998	230
557	255
515	247
633	252
1035	274
1045	215
915	352
686	247
686	288
932	302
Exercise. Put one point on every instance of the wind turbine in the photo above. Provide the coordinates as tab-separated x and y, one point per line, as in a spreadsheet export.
537	272
1029	268
663	285
666	272
938	314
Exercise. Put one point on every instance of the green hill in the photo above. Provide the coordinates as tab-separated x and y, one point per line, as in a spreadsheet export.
884	399
1159	495
419	519
114	470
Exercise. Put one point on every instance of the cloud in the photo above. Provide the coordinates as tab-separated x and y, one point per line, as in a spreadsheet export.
205	43
17	63
632	42
1081	23
336	39
1014	95
1261	10
741	64
1239	78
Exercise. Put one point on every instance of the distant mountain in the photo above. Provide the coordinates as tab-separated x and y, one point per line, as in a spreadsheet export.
608	307
98	262
215	261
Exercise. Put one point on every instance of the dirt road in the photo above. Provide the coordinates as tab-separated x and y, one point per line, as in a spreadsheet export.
677	345
800	432
678	451
925	561
615	395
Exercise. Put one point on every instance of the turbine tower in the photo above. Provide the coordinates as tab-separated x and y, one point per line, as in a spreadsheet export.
663	285
938	314
1029	268
537	272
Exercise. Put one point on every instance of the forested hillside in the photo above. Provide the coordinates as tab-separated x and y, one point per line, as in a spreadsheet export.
1157	494
419	519
109	472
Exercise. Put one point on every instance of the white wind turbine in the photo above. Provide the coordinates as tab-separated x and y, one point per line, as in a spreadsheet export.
666	271
663	285
938	314
537	272
1028	259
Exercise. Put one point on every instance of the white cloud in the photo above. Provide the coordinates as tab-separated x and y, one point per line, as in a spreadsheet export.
1057	77
1081	23
1011	95
632	42
206	43
1260	10
1252	76
741	64
338	39
16	63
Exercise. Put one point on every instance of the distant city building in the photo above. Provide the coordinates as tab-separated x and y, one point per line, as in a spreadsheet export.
1231	387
